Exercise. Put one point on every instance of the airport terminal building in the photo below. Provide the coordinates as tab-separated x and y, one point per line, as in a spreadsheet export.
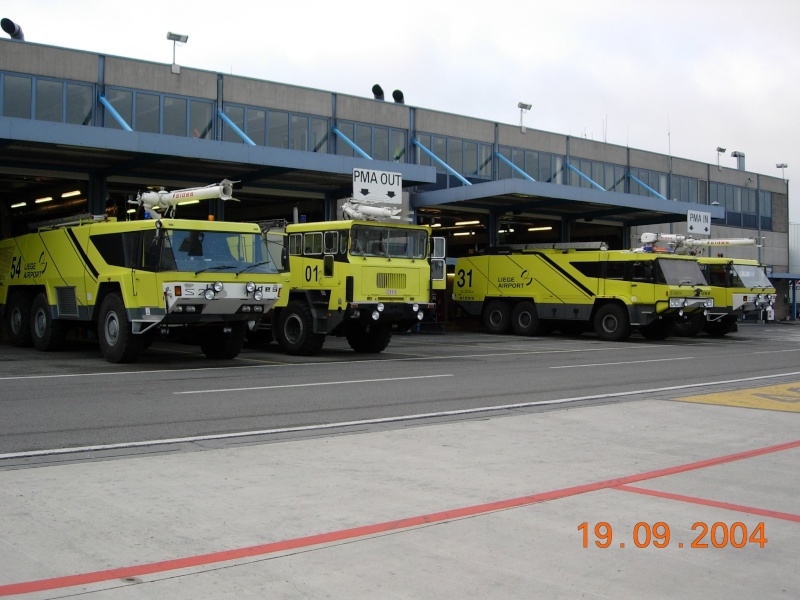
82	132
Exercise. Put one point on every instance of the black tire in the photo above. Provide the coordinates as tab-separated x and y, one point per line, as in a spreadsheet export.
721	327
295	331
611	323
115	334
18	319
690	326
497	317
372	339
659	329
218	344
524	319
47	333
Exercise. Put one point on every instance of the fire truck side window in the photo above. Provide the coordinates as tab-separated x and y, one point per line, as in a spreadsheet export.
296	244
716	275
312	244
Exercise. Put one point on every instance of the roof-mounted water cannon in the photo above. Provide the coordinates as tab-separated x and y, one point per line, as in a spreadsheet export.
166	202
367	211
681	244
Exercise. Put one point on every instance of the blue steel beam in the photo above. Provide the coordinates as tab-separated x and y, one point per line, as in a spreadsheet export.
235	128
583	176
113	112
440	162
351	143
514	167
645	186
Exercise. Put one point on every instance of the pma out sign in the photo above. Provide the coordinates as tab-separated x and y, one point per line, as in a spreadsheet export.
377	185
384	178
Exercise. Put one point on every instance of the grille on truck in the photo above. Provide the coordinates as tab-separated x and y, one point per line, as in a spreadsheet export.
391	280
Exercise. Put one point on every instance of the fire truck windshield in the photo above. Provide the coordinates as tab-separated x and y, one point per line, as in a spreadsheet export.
391	242
681	272
215	250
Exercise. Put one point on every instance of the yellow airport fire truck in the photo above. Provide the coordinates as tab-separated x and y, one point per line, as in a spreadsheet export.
739	286
361	279
573	287
131	280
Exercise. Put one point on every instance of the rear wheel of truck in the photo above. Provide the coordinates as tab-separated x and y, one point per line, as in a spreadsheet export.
18	319
611	323
371	339
47	333
524	319
219	343
497	317
295	330
115	334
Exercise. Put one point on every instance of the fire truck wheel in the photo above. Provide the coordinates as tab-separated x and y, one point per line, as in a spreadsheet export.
660	329
611	323
217	343
47	333
18	319
719	328
372	340
295	330
117	341
497	317
690	326
524	319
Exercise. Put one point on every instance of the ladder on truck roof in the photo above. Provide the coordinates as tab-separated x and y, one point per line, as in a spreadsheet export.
67	221
560	246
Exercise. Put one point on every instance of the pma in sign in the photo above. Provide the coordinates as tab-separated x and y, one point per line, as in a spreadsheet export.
698	222
382	186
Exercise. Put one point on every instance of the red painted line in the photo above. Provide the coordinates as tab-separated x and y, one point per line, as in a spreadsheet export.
345	534
691	499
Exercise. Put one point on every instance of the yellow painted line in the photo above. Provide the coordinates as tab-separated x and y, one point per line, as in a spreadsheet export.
774	397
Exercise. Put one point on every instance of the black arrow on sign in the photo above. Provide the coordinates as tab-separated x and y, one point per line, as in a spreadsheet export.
364	192
390	194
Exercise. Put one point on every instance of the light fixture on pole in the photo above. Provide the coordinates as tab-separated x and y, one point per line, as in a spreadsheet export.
720	150
523	108
175	38
782	166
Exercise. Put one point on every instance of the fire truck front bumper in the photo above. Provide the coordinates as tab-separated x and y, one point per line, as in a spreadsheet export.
389	312
679	305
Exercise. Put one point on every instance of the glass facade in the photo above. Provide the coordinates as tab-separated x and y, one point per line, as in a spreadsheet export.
56	100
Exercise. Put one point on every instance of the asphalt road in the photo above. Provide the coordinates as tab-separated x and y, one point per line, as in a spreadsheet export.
75	399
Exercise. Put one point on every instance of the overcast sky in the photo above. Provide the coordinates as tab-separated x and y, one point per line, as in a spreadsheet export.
680	77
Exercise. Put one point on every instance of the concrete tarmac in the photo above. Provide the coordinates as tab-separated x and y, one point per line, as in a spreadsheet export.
513	505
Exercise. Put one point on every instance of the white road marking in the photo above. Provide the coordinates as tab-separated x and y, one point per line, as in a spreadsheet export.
318	383
448	413
629	362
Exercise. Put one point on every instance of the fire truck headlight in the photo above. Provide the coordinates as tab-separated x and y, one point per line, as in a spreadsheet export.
209	294
217	286
375	315
420	316
258	295
680	313
415	307
380	307
250	287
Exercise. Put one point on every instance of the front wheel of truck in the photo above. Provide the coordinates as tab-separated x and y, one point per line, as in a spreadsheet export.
117	341
611	323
